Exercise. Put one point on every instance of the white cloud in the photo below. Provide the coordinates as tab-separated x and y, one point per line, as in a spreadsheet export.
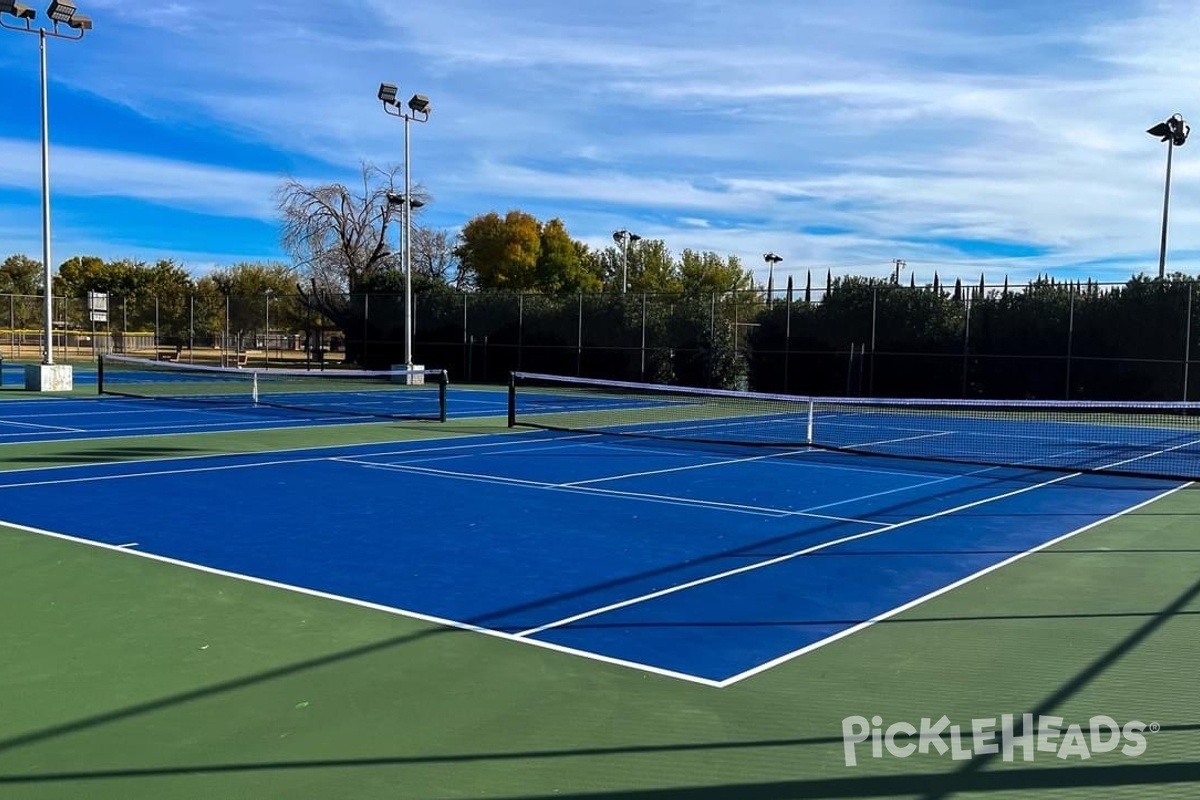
738	127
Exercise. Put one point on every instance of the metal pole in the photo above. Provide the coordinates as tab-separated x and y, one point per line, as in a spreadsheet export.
874	314
787	342
408	361
625	264
966	343
191	327
520	328
156	336
1187	344
1070	341
267	331
579	340
643	336
48	353
1162	248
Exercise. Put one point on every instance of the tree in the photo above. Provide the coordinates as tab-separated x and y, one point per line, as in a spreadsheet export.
709	273
652	268
433	257
517	253
20	274
502	252
338	237
559	267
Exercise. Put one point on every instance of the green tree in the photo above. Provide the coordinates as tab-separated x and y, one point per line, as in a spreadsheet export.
20	274
559	266
502	252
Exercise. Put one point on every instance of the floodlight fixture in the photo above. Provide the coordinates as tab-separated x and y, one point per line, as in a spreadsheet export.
61	11
624	237
17	10
1174	132
387	93
419	104
397	199
418	110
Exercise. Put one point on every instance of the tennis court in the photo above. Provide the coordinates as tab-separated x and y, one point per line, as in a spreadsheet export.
640	545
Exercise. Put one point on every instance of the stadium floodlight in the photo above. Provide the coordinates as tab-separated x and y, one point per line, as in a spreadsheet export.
1174	132
623	238
387	93
17	10
419	104
60	11
771	260
418	110
397	199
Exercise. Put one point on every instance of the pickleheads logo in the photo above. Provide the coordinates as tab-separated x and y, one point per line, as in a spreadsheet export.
1005	736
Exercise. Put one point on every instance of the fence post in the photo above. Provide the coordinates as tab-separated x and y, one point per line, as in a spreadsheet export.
157	340
520	328
191	327
643	337
874	315
966	342
579	341
466	347
787	342
1070	338
1187	344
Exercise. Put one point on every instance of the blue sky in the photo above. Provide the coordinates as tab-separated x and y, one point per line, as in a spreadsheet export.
958	136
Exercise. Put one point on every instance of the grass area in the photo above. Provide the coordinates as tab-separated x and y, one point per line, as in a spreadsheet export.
130	678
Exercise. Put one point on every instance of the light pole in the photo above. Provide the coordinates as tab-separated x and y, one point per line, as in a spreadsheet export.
623	238
771	260
267	328
1174	132
60	12
900	264
418	110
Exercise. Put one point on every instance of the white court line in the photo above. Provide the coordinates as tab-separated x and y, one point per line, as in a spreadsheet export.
189	470
685	468
127	545
786	557
399	612
55	428
775	662
516	436
657	498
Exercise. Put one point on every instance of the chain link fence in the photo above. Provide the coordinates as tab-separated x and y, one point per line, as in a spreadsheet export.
1048	340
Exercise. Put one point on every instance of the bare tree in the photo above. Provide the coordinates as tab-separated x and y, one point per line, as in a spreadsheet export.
433	257
338	239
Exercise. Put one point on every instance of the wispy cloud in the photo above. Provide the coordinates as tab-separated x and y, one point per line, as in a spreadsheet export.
929	130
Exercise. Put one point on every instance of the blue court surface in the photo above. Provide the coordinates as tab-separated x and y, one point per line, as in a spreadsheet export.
699	562
71	418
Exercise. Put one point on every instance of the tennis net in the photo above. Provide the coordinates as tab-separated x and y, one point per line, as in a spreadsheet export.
388	394
1159	440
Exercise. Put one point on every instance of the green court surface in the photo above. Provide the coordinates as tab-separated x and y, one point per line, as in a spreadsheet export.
124	677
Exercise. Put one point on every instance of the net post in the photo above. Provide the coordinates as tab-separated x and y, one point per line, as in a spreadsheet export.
811	415
512	399
443	384
100	373
254	387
